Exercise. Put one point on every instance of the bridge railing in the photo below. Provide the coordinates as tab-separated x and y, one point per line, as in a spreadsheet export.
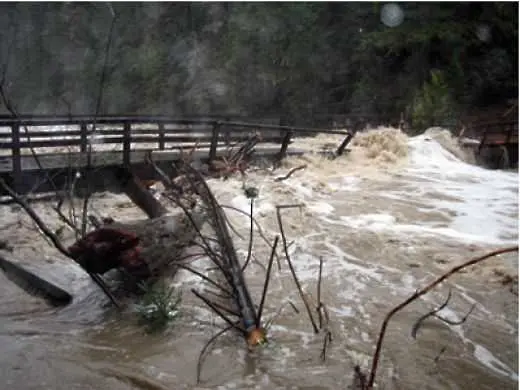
496	133
17	135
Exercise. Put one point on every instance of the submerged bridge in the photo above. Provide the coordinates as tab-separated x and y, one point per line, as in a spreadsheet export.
33	145
495	144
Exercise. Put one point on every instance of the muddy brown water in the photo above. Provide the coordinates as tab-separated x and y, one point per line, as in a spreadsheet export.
383	231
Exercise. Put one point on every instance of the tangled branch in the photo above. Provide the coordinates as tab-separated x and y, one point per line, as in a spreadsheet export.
376	357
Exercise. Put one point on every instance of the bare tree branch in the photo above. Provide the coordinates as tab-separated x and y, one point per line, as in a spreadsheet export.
416	295
84	220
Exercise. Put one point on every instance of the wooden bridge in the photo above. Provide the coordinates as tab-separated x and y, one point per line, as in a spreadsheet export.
495	143
30	144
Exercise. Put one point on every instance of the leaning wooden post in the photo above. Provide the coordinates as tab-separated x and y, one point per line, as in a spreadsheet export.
16	157
227	133
482	141
214	142
138	193
285	144
83	137
126	144
345	142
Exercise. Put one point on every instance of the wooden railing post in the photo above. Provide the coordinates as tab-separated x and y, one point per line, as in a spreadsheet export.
214	142
126	144
345	142
482	141
227	133
16	157
161	136
285	144
83	137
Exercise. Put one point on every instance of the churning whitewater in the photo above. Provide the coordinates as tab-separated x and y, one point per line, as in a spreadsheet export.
387	218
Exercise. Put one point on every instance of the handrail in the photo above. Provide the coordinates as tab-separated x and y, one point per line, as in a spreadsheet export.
215	132
78	120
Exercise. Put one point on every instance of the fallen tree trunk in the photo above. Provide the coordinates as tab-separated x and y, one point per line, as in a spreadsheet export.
143	249
138	193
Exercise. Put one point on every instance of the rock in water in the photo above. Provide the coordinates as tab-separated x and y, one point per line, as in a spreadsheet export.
34	280
161	242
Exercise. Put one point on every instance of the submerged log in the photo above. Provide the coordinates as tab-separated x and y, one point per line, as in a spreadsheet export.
161	244
139	194
162	240
143	249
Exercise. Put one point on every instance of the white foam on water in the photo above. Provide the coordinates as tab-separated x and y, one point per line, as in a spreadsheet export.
261	205
320	208
484	202
346	183
388	223
480	205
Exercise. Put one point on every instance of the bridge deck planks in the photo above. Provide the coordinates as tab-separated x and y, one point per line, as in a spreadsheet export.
114	158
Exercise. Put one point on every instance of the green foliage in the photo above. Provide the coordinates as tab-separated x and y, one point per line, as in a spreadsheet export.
158	305
291	60
433	104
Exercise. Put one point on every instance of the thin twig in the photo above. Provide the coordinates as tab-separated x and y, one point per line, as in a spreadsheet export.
419	322
461	321
419	293
318	294
208	344
289	262
436	358
234	273
226	309
251	235
204	277
289	174
266	283
216	310
8	105
360	379
41	225
98	108
279	311
258	228
64	218
326	342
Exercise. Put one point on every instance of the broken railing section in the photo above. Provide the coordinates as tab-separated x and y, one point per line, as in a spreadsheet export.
286	135
237	157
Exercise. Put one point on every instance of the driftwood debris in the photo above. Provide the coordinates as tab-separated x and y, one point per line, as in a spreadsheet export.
237	158
142	249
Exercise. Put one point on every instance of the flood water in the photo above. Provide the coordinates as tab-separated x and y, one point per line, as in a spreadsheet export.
387	219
